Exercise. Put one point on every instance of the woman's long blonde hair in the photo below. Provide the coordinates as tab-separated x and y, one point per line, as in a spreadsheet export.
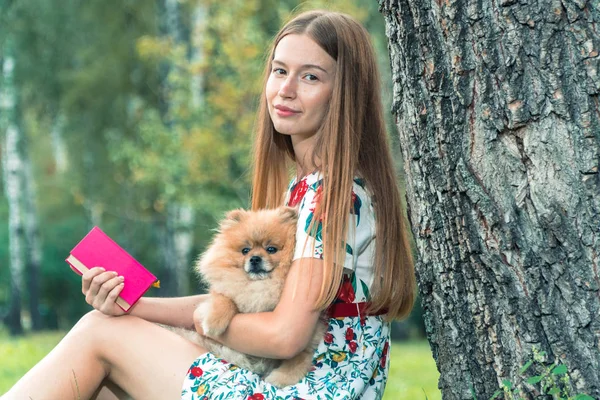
351	142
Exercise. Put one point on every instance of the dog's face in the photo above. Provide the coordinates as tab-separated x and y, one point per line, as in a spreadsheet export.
251	245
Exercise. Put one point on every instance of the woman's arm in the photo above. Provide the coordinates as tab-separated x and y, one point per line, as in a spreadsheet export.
287	330
101	289
174	311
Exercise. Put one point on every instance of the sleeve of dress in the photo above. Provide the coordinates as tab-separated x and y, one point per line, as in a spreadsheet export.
361	227
309	243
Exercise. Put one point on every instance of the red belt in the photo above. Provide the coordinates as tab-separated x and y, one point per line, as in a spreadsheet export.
339	310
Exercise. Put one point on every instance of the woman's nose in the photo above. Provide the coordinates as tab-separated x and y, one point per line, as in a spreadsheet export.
288	87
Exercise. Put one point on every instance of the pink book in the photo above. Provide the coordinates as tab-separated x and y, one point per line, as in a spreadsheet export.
96	249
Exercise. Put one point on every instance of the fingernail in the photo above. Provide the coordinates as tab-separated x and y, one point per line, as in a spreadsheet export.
121	278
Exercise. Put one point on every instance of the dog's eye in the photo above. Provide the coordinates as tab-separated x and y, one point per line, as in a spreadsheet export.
245	250
271	250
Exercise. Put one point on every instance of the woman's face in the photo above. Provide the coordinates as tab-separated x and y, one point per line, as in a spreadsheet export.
299	87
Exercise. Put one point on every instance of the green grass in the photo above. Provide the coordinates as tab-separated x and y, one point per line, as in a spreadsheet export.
18	355
413	375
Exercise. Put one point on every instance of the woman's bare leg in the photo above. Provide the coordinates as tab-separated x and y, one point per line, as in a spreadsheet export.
145	360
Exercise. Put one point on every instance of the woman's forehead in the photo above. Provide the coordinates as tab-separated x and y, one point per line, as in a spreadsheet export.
298	50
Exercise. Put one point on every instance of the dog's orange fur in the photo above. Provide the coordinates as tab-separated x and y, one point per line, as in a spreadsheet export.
233	289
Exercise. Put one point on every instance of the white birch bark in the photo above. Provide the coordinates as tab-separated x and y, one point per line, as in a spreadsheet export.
177	238
13	188
94	211
180	221
199	21
13	184
33	247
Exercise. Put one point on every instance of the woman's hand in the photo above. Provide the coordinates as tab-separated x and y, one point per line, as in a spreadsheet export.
101	289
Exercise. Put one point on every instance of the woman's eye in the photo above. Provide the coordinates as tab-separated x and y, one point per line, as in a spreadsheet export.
271	250
311	77
245	250
278	71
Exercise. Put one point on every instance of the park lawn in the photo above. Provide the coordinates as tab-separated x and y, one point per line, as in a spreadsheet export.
412	372
20	354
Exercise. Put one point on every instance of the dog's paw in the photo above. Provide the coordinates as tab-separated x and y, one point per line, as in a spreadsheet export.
216	314
281	379
211	326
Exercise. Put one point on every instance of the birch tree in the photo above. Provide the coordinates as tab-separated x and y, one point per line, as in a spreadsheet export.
177	238
33	245
497	107
12	164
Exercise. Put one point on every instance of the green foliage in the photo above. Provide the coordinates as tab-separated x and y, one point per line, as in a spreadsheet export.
135	140
550	379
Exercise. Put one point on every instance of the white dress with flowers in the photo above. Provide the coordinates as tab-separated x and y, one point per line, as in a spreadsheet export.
351	362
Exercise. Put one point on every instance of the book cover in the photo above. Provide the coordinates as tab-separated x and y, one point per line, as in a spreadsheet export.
97	249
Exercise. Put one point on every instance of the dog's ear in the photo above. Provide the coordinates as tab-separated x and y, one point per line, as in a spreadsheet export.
288	214
233	218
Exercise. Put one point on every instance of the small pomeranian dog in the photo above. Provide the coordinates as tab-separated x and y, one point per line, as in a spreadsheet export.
245	268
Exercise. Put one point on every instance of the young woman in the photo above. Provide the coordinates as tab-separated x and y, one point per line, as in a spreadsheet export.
321	115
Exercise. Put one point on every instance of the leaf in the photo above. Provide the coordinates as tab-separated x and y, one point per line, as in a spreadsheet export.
554	390
535	379
583	397
525	367
316	229
559	370
507	384
365	289
496	394
473	393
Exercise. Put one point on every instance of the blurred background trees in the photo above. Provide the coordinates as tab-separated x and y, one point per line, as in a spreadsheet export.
134	116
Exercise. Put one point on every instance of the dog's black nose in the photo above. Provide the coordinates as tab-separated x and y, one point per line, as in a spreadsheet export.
255	261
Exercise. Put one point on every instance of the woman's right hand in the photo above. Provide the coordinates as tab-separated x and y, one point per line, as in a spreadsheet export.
101	289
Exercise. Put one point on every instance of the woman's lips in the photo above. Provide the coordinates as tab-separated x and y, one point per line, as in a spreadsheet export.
284	111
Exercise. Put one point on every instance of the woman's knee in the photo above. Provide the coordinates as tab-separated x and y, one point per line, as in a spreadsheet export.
97	332
91	321
95	325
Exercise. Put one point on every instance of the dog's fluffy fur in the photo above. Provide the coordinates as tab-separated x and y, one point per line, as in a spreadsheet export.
245	268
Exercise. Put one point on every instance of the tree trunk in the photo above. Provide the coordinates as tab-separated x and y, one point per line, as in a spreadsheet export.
13	187
183	240
33	246
497	110
59	148
199	22
177	231
176	244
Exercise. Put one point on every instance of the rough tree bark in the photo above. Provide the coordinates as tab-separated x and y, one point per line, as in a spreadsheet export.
497	107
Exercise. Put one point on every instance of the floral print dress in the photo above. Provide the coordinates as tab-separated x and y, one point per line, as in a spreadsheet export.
352	360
